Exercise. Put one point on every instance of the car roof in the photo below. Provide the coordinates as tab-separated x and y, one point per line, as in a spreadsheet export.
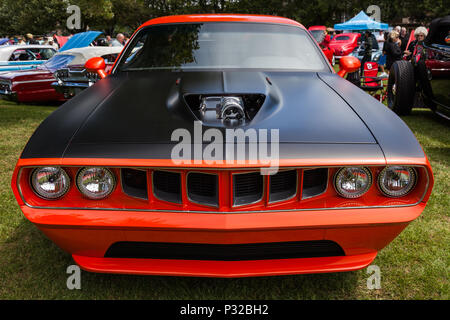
313	28
221	18
6	51
84	54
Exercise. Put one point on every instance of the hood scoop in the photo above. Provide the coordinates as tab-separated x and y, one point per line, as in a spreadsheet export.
225	110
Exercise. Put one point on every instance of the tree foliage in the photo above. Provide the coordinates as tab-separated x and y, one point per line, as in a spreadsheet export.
40	17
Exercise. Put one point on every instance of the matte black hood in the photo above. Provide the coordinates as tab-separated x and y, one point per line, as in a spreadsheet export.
148	107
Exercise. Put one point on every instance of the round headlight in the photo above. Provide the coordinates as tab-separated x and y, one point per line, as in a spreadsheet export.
95	183
397	181
50	182
353	182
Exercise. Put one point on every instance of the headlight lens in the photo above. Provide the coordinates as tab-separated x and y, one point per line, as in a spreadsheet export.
353	182
95	183
397	181
50	182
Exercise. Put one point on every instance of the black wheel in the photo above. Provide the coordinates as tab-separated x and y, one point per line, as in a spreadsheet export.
401	87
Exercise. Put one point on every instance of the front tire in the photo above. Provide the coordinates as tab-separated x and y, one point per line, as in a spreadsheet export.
401	87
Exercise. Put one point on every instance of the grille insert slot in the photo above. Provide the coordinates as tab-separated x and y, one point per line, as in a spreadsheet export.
202	188
225	252
248	188
315	182
283	186
167	186
134	183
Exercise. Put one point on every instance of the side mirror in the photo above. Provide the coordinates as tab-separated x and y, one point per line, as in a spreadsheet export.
348	64
96	65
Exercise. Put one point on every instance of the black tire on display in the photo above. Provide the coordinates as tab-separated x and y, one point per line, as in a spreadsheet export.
401	87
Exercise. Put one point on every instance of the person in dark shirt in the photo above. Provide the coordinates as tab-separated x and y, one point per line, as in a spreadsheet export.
30	39
368	46
404	37
392	49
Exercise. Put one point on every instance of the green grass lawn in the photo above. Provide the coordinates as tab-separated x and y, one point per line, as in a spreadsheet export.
414	266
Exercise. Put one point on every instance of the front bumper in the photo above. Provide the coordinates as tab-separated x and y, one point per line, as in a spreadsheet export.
88	234
8	95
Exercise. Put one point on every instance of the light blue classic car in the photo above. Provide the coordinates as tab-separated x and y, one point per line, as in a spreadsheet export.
24	57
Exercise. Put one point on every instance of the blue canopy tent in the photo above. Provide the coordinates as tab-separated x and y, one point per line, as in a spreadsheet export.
361	22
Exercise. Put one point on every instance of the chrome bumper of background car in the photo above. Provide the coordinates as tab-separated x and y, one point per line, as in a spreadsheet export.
70	88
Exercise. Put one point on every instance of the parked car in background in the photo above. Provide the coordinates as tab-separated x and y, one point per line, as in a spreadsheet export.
104	178
34	85
427	80
344	43
318	33
358	52
74	78
24	57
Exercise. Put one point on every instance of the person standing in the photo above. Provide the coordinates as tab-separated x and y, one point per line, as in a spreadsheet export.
119	41
392	49
382	60
20	41
108	40
368	46
404	38
418	58
30	39
380	38
419	34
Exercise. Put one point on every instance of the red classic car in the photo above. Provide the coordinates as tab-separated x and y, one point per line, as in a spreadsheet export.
36	85
318	33
343	44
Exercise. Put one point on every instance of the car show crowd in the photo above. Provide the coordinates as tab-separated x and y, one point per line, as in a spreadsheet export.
391	46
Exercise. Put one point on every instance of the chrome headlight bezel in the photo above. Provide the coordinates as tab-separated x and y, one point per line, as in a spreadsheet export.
42	193
345	194
85	191
397	194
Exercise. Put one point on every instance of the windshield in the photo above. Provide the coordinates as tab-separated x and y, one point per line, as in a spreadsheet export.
221	45
342	38
319	35
57	62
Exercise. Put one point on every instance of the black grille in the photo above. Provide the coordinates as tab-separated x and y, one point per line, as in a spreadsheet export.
283	185
247	188
314	182
202	188
134	183
167	186
224	252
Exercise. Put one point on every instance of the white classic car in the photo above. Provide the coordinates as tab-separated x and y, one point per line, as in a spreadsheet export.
74	78
24	57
